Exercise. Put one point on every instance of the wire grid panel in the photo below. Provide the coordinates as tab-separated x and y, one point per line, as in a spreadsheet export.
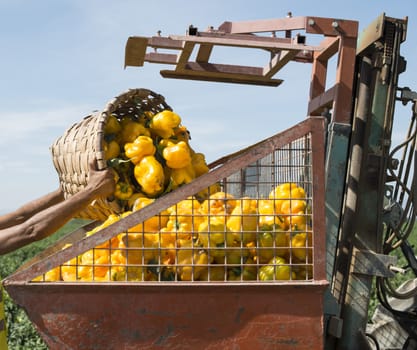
255	225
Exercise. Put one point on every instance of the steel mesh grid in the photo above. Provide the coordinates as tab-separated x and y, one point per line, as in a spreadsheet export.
218	239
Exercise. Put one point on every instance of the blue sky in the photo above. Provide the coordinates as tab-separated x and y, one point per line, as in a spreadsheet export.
60	60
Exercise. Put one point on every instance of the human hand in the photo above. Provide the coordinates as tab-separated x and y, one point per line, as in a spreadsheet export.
100	182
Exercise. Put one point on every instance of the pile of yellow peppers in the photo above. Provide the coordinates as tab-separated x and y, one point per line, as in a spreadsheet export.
151	154
220	238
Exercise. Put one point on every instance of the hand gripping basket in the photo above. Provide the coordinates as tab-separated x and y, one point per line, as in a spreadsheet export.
82	142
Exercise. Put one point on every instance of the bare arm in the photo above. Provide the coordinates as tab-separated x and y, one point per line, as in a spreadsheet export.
28	210
46	222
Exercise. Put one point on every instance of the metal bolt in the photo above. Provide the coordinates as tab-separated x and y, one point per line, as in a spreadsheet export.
397	269
311	22
335	24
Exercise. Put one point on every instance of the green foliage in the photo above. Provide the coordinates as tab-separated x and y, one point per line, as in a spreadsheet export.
22	334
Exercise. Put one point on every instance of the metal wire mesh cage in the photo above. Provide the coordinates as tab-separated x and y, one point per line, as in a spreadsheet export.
257	223
245	251
84	142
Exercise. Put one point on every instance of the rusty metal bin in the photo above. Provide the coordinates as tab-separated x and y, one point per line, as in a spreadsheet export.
162	307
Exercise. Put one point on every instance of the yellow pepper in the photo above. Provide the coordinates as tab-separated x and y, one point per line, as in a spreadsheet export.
303	272
298	221
182	134
95	264
131	130
243	220
112	218
181	176
268	217
138	247
301	246
213	273
142	146
184	218
277	269
149	174
154	223
69	268
199	164
112	125
177	155
133	198
191	262
50	276
111	149
236	252
271	244
214	235
246	272
285	192
164	123
219	203
123	190
207	192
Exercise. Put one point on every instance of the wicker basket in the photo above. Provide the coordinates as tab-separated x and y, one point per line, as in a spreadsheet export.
82	142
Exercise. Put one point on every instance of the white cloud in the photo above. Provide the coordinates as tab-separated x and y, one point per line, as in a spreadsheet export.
23	125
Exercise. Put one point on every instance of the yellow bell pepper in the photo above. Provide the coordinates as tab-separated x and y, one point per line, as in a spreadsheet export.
133	198
271	244
181	176
199	164
246	272
236	253
142	146
95	264
164	123
295	210
303	272
139	248
182	134
131	130
124	270
123	190
285	192
149	174
243	220
154	223
111	149
69	268
219	203
268	217
112	218
112	125
214	235
277	269
177	155
207	192
297	221
50	276
301	246
213	273
191	262
184	218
